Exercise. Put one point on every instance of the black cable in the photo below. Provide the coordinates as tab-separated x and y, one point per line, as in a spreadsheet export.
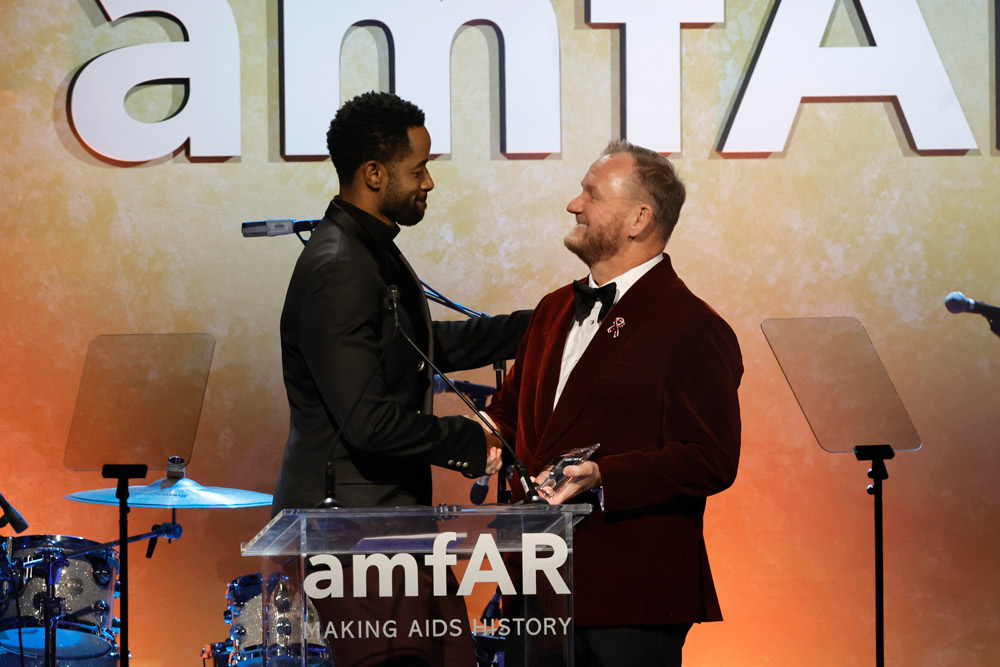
437	297
430	292
531	496
329	499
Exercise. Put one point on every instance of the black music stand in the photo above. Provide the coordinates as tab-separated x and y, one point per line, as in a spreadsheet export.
139	403
851	406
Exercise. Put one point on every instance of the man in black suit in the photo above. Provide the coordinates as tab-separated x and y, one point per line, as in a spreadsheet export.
337	333
359	394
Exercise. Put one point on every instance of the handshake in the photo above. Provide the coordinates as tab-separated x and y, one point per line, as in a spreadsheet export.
494	448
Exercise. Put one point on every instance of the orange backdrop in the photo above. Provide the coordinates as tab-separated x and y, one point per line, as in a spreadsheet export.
846	221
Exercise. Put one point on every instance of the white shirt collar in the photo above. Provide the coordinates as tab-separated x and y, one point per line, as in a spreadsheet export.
630	277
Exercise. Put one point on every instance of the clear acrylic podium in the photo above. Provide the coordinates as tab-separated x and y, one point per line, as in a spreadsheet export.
335	556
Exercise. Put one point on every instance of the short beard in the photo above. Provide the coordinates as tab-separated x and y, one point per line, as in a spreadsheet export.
400	209
593	247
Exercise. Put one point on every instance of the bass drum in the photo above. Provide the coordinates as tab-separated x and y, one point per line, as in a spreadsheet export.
87	586
13	659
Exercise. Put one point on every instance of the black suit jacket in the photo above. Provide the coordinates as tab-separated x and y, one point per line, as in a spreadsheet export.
334	330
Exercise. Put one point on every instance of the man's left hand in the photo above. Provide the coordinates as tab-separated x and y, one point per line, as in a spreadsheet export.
583	477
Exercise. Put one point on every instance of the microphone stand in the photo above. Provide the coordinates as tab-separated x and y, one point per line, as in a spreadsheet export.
878	473
122	473
52	606
994	324
330	501
503	493
531	496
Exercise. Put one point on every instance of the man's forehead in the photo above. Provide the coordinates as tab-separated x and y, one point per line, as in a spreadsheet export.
420	145
608	170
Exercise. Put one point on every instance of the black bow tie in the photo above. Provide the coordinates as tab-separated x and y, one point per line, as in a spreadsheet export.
586	296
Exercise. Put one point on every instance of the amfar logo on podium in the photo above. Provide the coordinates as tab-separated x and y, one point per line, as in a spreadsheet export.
899	63
330	582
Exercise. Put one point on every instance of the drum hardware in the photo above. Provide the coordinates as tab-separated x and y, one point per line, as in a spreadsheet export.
53	607
72	569
173	492
6	573
276	641
218	653
60	584
489	650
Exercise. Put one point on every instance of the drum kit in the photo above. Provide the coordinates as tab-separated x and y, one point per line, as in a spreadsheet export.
57	592
140	399
244	614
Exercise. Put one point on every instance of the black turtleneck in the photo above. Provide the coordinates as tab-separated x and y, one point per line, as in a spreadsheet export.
379	238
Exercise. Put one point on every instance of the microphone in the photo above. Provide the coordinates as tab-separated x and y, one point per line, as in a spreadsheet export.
277	227
477	494
392	302
531	496
956	303
477	392
12	516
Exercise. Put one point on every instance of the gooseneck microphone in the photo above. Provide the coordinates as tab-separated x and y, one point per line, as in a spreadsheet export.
330	499
531	496
957	303
281	227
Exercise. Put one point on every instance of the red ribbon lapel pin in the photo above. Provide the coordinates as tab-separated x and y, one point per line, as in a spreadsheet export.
617	325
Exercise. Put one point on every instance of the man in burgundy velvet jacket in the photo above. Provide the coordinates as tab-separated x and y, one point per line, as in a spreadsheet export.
653	380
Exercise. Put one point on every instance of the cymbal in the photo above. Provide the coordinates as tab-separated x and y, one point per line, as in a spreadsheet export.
176	493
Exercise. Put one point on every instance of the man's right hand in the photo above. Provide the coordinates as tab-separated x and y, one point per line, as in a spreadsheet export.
494	454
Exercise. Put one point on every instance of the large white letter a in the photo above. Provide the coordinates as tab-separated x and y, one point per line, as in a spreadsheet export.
209	61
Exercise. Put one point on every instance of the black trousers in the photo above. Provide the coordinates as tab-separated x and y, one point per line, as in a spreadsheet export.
630	646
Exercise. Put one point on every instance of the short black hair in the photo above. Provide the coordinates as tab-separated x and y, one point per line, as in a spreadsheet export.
372	126
656	177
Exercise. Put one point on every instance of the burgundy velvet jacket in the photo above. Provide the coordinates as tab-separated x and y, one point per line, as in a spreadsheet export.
661	399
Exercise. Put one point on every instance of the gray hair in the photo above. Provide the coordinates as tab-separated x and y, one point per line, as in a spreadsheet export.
655	181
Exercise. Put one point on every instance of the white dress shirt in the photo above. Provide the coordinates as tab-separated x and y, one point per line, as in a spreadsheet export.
582	333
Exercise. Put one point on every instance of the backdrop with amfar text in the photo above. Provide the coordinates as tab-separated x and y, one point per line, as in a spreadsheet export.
840	159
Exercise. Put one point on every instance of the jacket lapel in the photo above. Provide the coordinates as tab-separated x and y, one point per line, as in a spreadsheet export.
424	308
604	349
550	364
378	254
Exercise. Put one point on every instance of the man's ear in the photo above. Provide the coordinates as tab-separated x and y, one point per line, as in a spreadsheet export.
374	174
642	223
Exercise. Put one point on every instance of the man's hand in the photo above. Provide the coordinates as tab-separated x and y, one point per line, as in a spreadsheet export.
583	477
494	454
494	448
